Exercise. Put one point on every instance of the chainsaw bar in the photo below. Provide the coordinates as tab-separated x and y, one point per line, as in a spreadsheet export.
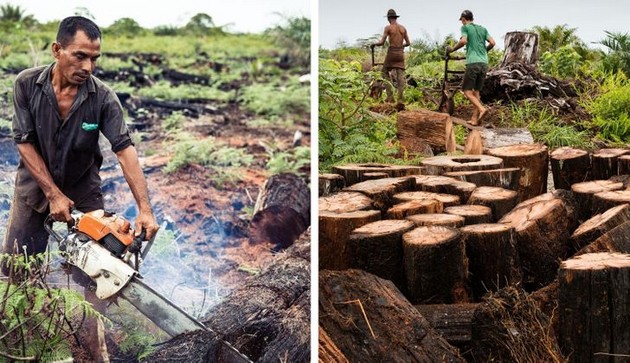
172	319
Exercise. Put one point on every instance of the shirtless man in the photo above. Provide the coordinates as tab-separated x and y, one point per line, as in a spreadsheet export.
395	59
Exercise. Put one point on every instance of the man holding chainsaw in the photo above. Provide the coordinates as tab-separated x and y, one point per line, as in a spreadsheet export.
474	37
395	59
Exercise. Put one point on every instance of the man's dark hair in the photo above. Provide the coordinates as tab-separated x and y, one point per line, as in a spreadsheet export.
70	25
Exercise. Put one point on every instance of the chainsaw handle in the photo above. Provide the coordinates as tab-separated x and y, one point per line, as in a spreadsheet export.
48	225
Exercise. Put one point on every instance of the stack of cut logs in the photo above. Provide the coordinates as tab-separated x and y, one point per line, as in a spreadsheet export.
396	243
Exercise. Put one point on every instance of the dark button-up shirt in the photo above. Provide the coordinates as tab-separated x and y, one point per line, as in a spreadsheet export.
68	146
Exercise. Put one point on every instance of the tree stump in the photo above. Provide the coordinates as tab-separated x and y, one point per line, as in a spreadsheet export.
330	184
382	191
434	128
594	306
506	178
371	321
543	227
354	173
473	214
623	165
569	166
603	201
584	194
447	200
437	219
435	265
282	211
446	185
492	257
592	229
500	200
344	202
421	206
615	240
377	248
532	159
438	165
521	47
605	162
334	230
328	351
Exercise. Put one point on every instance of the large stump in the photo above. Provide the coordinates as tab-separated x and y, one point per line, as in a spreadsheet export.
493	261
446	185
592	229
330	184
435	265
500	200
382	191
570	166
371	321
354	173
584	194
532	159
434	128
447	200
437	219
439	165
594	307
282	211
605	162
543	228
521	47
421	206
377	248
603	201
503	178
472	214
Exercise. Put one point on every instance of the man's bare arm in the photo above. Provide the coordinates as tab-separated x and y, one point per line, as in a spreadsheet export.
128	158
462	42
383	38
491	44
60	204
407	42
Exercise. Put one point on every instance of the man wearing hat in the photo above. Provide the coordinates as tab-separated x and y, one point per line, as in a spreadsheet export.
395	59
474	37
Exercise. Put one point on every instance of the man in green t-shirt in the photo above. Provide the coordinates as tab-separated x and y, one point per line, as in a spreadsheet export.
474	37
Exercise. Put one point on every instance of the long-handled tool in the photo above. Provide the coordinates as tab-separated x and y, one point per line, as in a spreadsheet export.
447	104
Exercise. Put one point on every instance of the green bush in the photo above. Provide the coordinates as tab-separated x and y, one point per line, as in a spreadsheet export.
273	99
611	110
563	63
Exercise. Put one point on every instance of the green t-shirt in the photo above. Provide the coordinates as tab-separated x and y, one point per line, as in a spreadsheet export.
476	36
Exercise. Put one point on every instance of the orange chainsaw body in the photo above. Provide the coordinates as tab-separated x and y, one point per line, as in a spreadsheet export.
98	224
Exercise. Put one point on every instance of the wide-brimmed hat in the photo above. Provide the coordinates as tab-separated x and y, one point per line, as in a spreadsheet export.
391	13
466	14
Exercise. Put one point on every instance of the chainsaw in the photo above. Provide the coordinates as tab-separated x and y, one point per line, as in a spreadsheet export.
103	246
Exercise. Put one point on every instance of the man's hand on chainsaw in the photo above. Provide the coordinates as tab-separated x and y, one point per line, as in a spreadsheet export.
60	207
146	221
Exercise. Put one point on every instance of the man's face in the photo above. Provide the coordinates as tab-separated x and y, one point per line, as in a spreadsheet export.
77	60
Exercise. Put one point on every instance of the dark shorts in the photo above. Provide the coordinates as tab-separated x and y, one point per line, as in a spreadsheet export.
474	76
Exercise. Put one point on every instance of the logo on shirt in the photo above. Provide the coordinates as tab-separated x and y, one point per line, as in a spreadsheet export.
89	127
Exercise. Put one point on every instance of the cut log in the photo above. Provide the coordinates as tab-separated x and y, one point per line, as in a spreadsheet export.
421	206
328	351
447	200
330	184
438	219
353	173
543	228
445	185
584	194
503	178
266	318
473	144
438	165
570	166
520	47
377	248
370	321
435	265
623	165
615	240
603	201
532	159
493	138
594	306
334	230
282	211
425	125
382	191
492	257
592	229
500	200
605	162
473	214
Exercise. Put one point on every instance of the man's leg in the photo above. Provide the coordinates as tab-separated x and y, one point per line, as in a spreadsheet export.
388	86
400	86
471	80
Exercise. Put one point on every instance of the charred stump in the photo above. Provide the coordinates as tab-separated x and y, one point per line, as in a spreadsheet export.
370	320
506	178
435	265
570	166
472	214
330	184
584	194
605	162
437	219
500	200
